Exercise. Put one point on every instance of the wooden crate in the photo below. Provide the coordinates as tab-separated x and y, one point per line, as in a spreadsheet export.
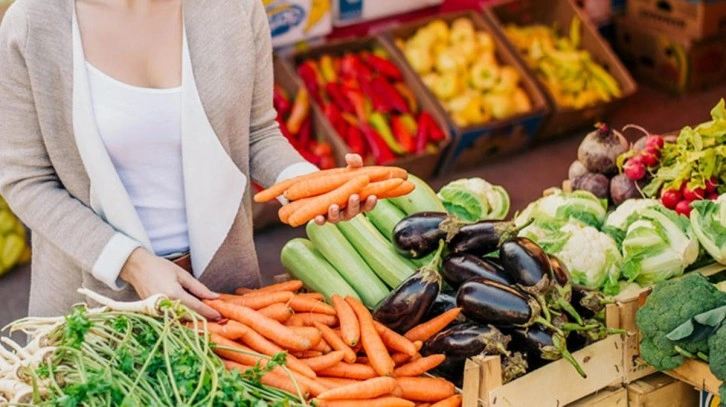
661	390
610	397
697	374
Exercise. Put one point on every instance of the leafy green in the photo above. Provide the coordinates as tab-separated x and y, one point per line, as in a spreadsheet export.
576	207
708	219
474	199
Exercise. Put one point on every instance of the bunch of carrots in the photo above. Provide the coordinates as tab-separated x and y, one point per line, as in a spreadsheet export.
311	195
337	355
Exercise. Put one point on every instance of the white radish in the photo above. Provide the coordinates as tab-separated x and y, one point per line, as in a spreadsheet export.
12	388
9	356
22	353
150	306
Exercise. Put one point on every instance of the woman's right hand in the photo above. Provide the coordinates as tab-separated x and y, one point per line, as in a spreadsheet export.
150	275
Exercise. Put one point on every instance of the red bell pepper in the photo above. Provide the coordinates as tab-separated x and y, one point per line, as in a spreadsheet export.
280	100
403	134
354	140
335	91
379	122
300	111
407	94
436	135
384	67
422	134
390	94
380	104
382	154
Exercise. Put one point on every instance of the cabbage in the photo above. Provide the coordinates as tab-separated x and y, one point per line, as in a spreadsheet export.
708	220
473	199
658	245
578	207
617	222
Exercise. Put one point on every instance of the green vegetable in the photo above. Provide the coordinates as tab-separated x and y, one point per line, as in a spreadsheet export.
659	245
617	221
717	358
578	207
474	199
422	199
376	251
672	303
301	258
708	219
346	260
385	216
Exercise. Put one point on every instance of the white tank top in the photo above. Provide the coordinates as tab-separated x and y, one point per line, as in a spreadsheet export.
141	129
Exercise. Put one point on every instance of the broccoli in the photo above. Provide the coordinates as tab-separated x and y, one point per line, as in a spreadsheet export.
672	303
717	358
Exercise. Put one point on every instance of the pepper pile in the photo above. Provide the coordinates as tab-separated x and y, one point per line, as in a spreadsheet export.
13	247
296	125
364	97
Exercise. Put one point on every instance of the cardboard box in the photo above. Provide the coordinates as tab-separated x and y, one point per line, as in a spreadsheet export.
680	18
347	12
561	13
292	21
611	397
661	390
672	62
422	165
477	143
706	399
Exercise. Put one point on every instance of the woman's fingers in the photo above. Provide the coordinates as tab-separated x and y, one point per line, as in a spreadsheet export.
195	287
333	214
354	160
199	307
369	204
353	207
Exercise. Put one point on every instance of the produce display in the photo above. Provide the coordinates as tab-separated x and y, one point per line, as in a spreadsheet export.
369	105
458	63
13	247
295	119
573	78
473	199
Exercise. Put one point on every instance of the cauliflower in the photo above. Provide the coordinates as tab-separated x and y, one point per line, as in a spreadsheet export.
617	222
577	207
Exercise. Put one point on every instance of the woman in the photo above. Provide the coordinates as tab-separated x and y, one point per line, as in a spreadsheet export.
130	133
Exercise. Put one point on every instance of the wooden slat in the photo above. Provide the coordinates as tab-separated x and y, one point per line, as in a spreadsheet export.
616	397
697	374
661	390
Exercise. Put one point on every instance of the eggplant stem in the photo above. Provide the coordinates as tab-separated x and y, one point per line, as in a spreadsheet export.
452	225
509	230
578	327
549	325
570	310
561	346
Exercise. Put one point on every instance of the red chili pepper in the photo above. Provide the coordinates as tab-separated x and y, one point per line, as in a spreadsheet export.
306	132
382	154
422	134
300	111
388	92
359	102
280	100
384	67
352	120
380	124
406	92
312	78
380	104
333	114
335	91
403	135
354	140
351	66
436	135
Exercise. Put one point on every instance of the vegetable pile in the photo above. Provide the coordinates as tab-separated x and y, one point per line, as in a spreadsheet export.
458	63
474	199
13	247
367	102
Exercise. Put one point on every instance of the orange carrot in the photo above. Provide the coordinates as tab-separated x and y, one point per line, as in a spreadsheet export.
319	205
418	345
309	332
243	290
404	189
394	341
386	401
333	382
400	358
419	366
453	401
278	311
314	296
362	360
308	318
257	302
380	188
323	184
290	285
423	404
325	361
323	347
231	329
425	388
288	209
349	371
260	344
371	388
336	342
372	343
272	379
307	354
302	304
349	327
274	191
431	327
267	327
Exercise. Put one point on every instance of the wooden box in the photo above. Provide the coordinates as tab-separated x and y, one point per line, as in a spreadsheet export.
661	390
610	397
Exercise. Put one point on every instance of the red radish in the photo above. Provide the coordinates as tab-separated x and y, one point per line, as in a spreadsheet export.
712	196
711	185
670	198
684	208
649	158
634	169
655	142
693	194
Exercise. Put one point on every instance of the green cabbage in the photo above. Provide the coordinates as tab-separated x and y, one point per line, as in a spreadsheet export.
617	222
578	207
708	220
473	199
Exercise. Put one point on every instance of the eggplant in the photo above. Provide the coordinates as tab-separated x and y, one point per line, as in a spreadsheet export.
458	268
490	302
526	263
559	271
418	235
560	297
452	369
465	340
542	345
406	305
483	237
588	302
443	302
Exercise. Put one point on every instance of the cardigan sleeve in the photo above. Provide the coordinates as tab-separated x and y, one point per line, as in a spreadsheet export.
271	156
28	180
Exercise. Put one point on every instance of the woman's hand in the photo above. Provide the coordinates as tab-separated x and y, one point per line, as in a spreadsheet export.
150	275
355	206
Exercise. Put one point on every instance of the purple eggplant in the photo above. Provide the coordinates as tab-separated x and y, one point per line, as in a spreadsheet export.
418	235
483	237
526	263
467	340
559	271
445	301
560	297
489	302
407	304
588	302
458	268
541	345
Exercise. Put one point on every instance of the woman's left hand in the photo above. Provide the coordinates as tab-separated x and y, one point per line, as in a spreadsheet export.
355	206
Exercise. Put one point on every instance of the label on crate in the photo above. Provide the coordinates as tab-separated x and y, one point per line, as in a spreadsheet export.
709	400
292	21
353	11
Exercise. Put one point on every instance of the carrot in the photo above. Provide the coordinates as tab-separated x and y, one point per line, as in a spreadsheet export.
376	402
431	327
362	360
307	354
336	342
321	185
243	290
314	296
423	405
397	392
325	361
418	345
349	327
333	382
319	205
404	189
425	388
371	388
394	341
323	347
400	358
274	191
380	188
257	302
290	285
419	366
309	318
267	327
272	379
231	329
349	371
288	209
260	344
371	341
302	304
278	311
309	332
453	401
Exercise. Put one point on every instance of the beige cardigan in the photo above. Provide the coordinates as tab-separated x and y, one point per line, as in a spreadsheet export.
55	174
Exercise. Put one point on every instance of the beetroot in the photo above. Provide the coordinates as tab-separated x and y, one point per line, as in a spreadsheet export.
622	188
600	149
598	184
